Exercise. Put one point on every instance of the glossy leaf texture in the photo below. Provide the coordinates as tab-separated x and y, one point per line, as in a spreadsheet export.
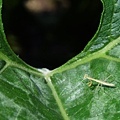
63	93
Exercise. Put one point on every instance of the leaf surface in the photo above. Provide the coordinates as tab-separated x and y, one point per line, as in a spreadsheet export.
27	93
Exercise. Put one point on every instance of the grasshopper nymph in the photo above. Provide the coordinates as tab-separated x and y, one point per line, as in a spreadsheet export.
99	81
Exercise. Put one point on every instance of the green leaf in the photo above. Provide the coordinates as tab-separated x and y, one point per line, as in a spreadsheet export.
27	93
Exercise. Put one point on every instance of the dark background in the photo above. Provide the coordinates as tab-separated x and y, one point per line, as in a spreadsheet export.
49	38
